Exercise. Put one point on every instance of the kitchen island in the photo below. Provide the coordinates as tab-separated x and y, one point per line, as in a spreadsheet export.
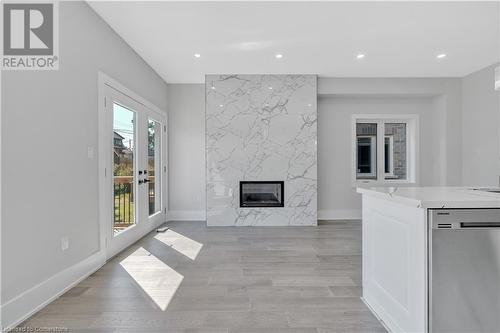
396	248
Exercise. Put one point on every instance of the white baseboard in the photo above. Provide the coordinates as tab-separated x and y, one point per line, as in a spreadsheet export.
339	214
199	215
21	307
186	215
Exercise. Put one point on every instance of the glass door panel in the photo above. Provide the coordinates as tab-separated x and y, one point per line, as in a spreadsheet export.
366	151
134	162
154	167
124	157
395	151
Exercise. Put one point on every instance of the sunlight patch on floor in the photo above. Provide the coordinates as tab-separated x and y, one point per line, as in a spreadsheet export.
159	281
182	244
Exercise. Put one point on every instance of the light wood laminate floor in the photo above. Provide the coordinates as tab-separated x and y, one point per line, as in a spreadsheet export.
224	279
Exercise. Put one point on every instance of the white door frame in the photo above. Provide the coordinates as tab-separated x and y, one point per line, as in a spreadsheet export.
105	82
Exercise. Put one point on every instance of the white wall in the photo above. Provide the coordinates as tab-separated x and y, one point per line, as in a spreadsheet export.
50	186
337	197
481	130
437	101
186	133
440	101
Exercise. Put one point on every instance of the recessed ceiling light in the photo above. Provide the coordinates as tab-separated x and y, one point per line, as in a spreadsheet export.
213	88
221	105
441	56
197	55
360	56
309	105
270	88
279	56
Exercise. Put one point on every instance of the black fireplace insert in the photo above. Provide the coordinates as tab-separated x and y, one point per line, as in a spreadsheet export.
262	194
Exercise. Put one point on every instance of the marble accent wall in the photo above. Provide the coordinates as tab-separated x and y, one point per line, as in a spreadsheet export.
261	127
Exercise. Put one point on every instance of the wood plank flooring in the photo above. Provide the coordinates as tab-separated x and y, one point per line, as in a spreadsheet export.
224	279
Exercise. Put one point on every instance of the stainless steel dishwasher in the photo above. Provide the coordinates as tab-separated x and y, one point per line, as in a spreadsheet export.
464	270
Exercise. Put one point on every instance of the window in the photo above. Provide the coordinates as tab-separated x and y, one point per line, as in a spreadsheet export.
388	157
367	157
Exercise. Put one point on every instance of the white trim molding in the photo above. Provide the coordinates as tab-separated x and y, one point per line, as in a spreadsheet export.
186	215
373	157
114	84
21	307
412	148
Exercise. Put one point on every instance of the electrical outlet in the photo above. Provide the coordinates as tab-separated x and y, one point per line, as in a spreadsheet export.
64	243
90	152
497	78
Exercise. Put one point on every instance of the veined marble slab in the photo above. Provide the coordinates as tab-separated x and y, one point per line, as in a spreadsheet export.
436	197
261	127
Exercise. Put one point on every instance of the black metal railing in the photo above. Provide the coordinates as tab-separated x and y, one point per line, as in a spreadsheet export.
124	208
152	196
124	201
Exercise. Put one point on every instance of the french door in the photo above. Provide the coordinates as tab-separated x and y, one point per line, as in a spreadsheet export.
134	171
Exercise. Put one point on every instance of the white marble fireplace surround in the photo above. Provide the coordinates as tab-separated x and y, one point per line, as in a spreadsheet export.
261	128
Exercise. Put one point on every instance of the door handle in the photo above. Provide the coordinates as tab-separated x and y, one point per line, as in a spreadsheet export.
146	180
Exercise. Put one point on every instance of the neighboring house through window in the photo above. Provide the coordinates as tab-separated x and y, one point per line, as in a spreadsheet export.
367	157
389	155
385	148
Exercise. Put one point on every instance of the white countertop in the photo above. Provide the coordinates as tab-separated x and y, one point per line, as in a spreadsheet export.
435	197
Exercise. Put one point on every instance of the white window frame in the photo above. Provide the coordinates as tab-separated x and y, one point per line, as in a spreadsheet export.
391	155
373	157
412	148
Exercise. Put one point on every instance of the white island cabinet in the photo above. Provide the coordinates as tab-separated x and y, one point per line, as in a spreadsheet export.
395	248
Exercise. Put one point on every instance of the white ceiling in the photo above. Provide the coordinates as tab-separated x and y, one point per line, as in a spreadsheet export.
399	39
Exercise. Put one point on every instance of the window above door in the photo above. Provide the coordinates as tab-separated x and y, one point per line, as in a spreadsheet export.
384	149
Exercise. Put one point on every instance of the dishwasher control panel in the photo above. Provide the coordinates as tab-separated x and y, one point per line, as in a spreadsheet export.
465	218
